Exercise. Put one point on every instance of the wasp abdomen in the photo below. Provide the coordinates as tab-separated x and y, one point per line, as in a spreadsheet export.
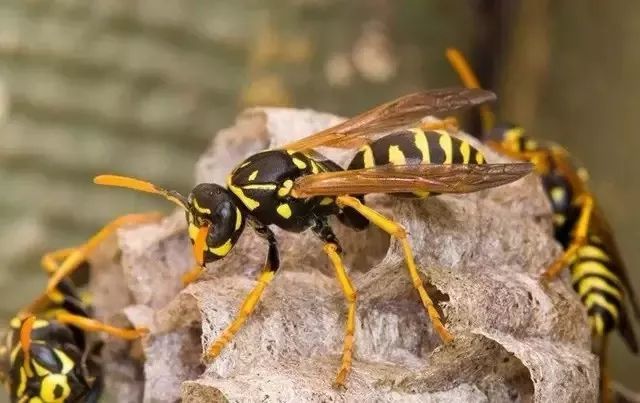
415	146
599	288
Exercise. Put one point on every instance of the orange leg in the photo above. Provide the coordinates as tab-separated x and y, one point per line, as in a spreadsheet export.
80	254
92	325
192	275
579	238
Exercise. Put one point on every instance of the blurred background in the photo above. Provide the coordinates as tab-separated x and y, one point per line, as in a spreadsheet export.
140	87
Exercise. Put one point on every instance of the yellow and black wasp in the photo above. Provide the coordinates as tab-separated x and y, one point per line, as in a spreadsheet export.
296	189
597	270
46	355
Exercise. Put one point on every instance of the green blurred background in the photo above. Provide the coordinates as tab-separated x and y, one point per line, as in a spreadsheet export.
140	86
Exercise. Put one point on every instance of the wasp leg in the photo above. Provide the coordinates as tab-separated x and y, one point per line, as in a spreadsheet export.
50	262
249	304
333	250
396	230
92	325
579	238
79	254
192	275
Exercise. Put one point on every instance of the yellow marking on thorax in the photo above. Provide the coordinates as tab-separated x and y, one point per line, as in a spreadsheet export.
67	363
48	387
596	283
223	249
260	186
40	370
593	252
200	209
244	164
591	267
465	150
284	210
286	188
479	157
253	175
314	167
299	163
396	156
238	219
250	203
420	140
326	201
447	146
599	300
367	155
558	194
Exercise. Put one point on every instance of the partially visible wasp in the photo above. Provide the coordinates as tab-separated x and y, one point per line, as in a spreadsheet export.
296	189
46	355
597	270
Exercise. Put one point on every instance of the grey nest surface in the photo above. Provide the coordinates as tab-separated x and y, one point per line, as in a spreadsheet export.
515	338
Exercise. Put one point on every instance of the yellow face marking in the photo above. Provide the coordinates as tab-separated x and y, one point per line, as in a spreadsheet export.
67	363
326	201
286	188
396	156
200	209
22	385
591	267
238	219
599	300
299	163
261	186
284	210
420	140
558	194
253	175
193	231
250	203
596	283
479	157
48	388
223	249
447	146
40	323
367	155
465	150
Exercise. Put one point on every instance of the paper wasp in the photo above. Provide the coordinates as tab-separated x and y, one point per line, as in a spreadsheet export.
46	355
296	189
598	273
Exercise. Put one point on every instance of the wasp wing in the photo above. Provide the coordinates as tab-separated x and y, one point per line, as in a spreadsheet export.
398	113
438	178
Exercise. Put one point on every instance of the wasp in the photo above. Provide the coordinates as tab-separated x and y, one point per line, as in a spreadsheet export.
598	273
296	188
46	355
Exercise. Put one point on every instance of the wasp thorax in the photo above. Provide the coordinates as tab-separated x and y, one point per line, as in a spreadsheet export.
213	206
512	138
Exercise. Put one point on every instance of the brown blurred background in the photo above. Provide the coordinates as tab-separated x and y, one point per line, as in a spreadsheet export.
140	86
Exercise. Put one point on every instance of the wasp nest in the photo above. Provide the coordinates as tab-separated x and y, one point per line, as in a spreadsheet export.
516	340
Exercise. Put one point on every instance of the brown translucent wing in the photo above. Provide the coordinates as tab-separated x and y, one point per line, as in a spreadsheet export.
439	178
601	227
401	112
